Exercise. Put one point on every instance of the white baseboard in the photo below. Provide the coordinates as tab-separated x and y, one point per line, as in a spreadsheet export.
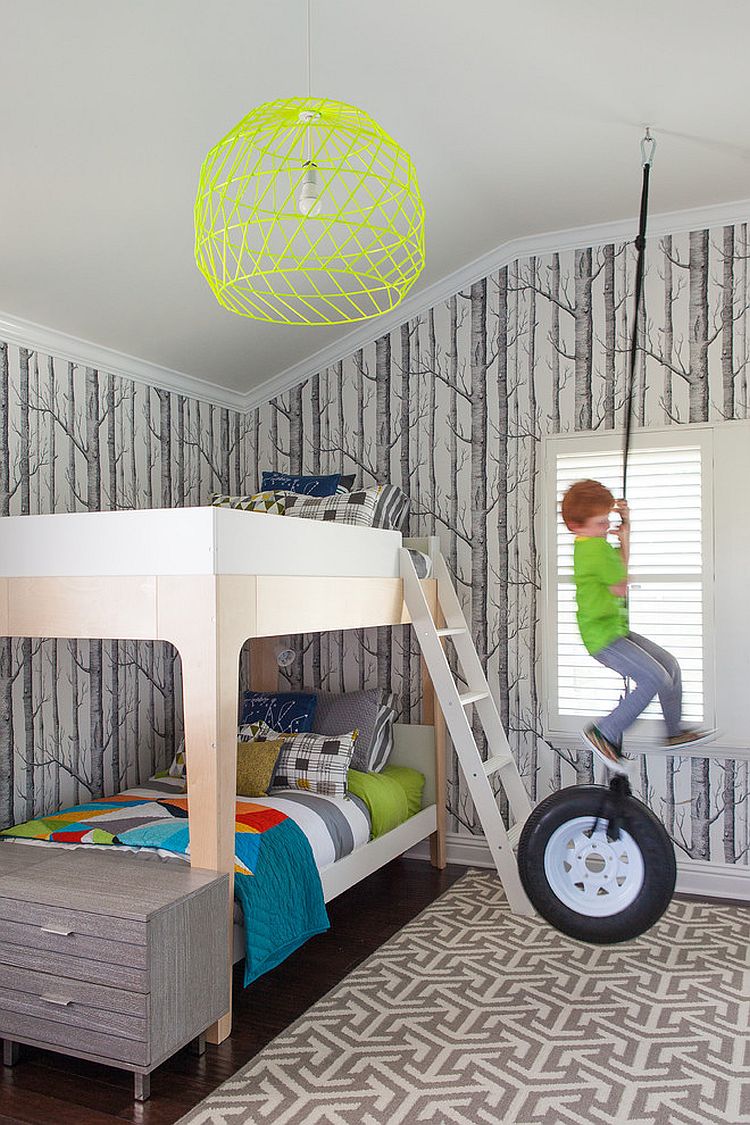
706	880
712	880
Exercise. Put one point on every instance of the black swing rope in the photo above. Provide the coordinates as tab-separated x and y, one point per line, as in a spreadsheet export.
640	243
619	786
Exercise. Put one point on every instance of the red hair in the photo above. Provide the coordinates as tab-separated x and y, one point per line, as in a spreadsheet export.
584	499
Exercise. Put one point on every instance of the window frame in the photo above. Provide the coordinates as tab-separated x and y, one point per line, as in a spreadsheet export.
557	726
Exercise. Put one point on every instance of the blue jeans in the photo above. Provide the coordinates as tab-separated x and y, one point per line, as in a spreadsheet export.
654	671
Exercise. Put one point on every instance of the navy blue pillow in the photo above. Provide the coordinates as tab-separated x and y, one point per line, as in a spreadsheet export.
285	711
304	486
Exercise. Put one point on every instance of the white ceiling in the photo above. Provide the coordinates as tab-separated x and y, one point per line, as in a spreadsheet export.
520	118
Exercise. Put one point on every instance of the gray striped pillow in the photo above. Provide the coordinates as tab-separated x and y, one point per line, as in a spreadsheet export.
392	508
382	737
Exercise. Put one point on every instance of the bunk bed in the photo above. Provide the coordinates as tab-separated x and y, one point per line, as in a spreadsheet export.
207	580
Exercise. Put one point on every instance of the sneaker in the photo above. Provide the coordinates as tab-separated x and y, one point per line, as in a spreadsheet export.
689	738
611	755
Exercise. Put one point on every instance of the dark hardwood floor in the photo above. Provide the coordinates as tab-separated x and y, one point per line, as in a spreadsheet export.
52	1089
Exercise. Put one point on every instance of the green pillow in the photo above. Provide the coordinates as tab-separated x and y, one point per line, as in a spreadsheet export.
391	796
411	781
255	764
384	797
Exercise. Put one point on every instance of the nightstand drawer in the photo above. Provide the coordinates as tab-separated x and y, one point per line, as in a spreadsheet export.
79	921
15	979
58	1036
75	968
64	938
58	1004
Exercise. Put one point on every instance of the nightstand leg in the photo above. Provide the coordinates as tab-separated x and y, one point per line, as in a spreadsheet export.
198	1045
142	1087
11	1052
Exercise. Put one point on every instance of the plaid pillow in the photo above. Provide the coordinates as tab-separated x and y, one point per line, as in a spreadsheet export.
273	502
357	509
316	763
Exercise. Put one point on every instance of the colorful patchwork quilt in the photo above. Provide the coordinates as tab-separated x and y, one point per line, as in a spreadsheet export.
276	880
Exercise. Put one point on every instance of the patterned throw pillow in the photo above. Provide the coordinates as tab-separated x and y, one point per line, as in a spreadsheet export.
255	766
315	763
285	711
392	508
305	486
177	768
382	739
257	732
346	484
347	711
422	563
273	503
356	509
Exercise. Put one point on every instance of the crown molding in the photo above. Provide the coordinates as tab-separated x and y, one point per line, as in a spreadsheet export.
27	334
621	230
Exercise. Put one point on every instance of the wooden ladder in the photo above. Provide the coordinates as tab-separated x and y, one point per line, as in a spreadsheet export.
454	705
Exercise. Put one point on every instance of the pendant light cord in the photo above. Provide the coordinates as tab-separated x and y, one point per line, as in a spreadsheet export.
308	147
309	67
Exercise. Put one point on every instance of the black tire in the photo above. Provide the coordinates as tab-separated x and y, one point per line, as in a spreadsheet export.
647	832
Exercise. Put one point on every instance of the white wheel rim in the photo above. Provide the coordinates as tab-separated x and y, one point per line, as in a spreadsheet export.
590	874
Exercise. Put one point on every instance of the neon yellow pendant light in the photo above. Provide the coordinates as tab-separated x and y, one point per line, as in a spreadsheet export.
309	213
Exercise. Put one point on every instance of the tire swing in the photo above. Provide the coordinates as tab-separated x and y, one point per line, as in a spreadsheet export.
596	862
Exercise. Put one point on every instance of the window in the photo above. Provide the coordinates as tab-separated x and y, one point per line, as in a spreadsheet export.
670	568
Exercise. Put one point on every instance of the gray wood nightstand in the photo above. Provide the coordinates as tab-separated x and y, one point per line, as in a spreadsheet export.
109	957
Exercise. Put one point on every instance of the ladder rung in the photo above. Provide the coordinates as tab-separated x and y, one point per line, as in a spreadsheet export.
514	834
451	632
472	697
496	762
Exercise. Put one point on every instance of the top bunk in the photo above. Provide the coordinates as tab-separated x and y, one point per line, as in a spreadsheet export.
192	541
155	574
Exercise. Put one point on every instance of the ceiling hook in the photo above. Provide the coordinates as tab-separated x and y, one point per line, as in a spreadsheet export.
648	158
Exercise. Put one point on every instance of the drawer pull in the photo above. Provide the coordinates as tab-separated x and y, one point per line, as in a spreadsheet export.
59	930
60	1000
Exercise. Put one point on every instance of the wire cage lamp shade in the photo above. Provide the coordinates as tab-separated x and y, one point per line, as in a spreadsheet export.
309	213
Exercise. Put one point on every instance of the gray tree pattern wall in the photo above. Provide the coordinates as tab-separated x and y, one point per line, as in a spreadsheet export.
452	405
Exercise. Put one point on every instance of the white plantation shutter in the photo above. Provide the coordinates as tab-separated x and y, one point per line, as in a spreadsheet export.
666	570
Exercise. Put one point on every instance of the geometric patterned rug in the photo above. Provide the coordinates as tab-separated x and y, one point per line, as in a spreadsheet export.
472	1015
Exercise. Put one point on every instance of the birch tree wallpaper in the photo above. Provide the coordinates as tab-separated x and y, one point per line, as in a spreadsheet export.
452	406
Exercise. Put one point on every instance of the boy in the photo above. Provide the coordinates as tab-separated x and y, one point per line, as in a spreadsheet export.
601	578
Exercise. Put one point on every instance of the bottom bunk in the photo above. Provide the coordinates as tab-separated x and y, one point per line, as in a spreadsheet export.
294	851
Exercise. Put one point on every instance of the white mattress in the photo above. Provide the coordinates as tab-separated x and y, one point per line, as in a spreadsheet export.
206	540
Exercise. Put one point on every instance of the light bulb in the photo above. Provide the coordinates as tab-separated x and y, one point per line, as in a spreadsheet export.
307	200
